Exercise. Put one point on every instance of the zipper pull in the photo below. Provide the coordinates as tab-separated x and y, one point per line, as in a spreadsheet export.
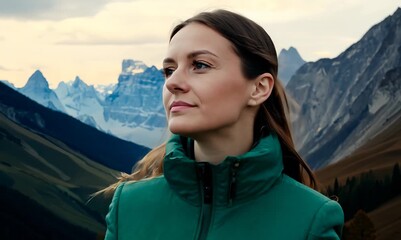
232	190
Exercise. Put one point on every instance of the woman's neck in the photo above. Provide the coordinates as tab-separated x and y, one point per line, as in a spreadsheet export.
216	147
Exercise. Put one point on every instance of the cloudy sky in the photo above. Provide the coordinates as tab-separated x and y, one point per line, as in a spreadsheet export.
90	38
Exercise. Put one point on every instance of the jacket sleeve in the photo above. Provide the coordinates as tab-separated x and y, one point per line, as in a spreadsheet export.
328	222
112	215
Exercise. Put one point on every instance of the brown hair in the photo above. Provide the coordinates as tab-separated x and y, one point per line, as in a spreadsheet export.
258	55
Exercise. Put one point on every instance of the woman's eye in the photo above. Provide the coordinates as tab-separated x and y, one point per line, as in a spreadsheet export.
199	65
167	72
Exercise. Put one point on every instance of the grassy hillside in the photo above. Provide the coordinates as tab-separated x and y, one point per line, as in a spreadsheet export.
387	220
44	173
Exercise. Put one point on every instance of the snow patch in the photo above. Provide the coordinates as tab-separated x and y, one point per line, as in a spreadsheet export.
303	86
379	100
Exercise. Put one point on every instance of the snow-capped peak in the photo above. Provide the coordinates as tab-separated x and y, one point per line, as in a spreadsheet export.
37	89
78	83
37	81
131	67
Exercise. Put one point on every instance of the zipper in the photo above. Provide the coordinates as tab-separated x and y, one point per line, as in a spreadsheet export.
205	176
232	187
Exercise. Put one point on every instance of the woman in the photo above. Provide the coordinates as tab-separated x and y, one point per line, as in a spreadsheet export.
230	170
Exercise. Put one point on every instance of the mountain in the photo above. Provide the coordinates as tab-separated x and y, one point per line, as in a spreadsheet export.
134	111
143	92
37	89
131	110
347	100
132	67
103	148
81	101
289	61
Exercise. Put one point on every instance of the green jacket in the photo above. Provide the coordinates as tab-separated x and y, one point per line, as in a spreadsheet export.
244	197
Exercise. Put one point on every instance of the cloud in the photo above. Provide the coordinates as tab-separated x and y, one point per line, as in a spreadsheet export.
113	41
6	69
3	68
50	9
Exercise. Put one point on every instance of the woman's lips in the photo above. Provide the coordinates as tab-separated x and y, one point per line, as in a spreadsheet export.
178	106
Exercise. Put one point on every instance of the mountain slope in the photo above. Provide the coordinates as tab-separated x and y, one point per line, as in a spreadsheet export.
11	85
101	147
349	99
387	220
379	154
45	177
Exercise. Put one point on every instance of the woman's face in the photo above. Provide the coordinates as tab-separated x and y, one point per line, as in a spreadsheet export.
205	90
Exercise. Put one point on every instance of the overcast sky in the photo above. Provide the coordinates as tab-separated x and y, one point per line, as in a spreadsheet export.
90	38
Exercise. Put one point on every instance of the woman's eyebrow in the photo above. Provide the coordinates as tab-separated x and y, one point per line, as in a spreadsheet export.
168	60
190	56
200	52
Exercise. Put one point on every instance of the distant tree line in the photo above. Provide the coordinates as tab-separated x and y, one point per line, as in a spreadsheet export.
366	192
363	194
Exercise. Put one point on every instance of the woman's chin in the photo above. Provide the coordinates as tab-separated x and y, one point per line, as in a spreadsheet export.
182	129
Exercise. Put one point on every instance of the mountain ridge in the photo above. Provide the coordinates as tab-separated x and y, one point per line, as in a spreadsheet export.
110	151
335	95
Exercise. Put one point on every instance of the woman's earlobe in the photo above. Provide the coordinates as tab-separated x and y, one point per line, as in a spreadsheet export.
252	102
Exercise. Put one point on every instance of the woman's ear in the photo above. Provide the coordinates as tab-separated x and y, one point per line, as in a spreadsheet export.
261	89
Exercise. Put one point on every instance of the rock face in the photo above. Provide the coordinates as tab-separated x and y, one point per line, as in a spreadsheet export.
289	61
37	89
346	100
134	111
81	101
137	99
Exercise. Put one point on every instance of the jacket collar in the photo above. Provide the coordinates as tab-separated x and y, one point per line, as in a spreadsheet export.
235	180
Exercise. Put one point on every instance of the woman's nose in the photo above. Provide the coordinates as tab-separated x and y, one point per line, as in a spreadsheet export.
177	82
